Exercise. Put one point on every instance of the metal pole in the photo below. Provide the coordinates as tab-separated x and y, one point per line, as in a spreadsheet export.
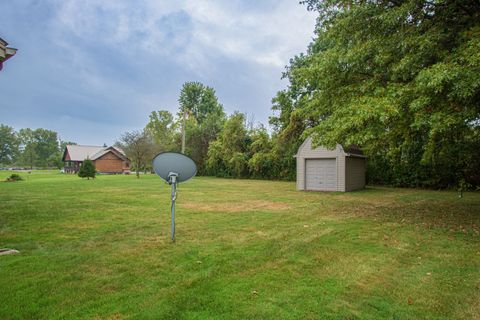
173	182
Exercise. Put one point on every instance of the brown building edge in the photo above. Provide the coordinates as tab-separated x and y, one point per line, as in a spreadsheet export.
109	160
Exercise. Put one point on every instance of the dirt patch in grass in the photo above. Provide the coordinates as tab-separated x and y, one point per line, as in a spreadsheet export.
252	205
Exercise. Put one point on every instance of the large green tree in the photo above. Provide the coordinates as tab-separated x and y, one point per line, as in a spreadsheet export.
288	124
28	143
46	147
9	144
39	147
199	101
399	78
204	120
162	127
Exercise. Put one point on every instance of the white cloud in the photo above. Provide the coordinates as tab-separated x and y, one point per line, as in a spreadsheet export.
267	37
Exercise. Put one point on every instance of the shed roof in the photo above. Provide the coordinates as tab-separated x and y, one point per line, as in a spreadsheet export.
353	149
350	151
80	153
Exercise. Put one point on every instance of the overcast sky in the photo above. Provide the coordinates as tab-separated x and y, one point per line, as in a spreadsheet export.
91	70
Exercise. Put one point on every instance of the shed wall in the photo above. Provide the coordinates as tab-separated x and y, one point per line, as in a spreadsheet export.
355	173
306	152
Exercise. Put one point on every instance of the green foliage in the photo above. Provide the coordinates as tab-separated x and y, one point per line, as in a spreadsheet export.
204	120
161	127
139	148
199	101
46	146
228	153
14	177
237	164
289	127
200	135
261	164
462	187
29	154
9	143
39	148
87	169
399	79
215	164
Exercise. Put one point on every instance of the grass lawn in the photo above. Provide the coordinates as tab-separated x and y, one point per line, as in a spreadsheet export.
246	249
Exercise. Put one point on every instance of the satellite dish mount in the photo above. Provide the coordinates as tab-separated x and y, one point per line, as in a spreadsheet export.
174	168
172	180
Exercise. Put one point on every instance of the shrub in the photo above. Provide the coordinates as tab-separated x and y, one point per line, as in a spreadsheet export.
14	177
87	170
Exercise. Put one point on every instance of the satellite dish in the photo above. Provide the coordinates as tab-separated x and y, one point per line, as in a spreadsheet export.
166	163
174	168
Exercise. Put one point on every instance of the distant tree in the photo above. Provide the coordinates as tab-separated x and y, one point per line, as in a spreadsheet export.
204	120
46	147
289	126
199	101
261	163
161	127
9	145
228	154
28	142
200	136
87	170
139	148
39	147
215	163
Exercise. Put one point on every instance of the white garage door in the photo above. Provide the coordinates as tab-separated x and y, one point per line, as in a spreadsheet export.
321	174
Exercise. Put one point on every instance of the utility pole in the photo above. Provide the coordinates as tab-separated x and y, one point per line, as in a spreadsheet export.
183	132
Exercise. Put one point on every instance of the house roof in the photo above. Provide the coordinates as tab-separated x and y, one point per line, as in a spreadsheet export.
80	153
117	151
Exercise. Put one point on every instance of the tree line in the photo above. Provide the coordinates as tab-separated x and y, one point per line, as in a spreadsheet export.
30	148
220	144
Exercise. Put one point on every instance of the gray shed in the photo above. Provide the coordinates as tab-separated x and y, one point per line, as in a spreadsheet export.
321	169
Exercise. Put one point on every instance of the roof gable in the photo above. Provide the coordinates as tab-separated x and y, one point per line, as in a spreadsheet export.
117	152
306	148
